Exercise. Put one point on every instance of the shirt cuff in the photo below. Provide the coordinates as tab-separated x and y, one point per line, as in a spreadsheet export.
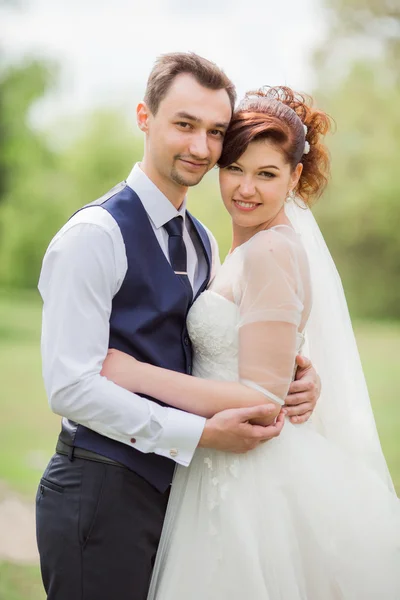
180	436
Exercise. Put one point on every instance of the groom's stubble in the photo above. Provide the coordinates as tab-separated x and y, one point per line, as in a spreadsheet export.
178	178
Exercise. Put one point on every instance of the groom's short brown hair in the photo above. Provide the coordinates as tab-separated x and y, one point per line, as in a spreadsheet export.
168	66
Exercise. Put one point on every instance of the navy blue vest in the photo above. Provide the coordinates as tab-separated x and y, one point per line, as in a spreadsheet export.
148	321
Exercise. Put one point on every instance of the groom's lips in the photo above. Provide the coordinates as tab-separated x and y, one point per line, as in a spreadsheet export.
193	165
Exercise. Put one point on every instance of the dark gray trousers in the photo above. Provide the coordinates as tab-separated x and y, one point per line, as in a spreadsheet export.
98	527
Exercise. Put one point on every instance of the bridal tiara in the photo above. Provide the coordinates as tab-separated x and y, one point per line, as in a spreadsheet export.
306	144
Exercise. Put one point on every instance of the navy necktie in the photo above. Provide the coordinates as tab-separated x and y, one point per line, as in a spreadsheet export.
177	251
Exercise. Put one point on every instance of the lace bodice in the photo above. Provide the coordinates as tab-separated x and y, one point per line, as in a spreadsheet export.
212	325
213	328
226	321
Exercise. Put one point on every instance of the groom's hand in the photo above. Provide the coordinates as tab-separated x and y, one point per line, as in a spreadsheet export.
231	431
304	392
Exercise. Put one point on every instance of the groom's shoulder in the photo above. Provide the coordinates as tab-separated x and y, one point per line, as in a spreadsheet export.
91	220
94	214
119	187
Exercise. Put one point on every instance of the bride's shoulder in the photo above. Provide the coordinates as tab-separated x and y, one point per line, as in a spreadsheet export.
279	244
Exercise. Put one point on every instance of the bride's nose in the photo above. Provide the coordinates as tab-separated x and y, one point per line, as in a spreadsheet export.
247	188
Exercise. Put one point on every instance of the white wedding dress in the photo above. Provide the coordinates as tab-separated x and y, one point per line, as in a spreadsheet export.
296	518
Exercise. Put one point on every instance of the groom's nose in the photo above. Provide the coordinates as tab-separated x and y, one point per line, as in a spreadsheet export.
199	146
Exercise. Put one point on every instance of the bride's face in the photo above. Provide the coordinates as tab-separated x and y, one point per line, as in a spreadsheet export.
254	187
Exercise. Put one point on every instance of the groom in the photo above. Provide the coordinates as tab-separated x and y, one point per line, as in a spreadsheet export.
123	273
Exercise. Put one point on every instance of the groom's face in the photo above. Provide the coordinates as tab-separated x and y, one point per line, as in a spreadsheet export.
185	136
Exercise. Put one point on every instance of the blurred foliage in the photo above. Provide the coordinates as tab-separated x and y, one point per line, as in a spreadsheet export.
360	212
355	25
357	72
358	68
27	167
43	187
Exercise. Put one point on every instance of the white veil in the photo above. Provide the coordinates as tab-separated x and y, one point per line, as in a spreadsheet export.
343	413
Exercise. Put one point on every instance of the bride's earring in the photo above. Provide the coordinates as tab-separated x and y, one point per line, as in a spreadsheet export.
290	196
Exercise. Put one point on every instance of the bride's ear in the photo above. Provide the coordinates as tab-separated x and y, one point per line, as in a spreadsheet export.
295	176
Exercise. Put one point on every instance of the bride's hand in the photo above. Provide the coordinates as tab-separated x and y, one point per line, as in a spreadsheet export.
304	391
122	369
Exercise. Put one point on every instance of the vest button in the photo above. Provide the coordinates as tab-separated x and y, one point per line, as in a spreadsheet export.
133	441
186	340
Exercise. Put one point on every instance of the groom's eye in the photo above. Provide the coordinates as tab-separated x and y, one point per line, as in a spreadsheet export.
217	133
183	124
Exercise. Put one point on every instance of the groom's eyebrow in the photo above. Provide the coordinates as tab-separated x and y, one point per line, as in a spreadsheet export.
189	117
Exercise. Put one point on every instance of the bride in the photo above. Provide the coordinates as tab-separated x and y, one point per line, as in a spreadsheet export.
312	514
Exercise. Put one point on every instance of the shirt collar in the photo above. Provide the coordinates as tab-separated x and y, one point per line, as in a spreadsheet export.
159	209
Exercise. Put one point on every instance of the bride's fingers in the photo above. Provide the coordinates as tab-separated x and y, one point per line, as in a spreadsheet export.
299	409
302	418
303	362
297	399
301	386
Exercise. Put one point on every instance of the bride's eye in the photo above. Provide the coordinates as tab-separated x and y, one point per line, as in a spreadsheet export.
267	174
233	168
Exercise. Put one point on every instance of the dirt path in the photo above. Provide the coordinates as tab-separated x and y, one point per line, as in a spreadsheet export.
17	528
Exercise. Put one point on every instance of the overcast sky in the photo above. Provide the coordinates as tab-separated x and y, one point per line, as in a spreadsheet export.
106	48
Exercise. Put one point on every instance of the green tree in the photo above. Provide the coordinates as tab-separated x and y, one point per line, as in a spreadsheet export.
47	187
100	156
360	212
27	166
357	27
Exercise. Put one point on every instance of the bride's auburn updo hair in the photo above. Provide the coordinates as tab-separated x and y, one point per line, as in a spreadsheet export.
279	114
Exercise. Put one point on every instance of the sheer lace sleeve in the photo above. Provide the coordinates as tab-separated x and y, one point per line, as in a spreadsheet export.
270	296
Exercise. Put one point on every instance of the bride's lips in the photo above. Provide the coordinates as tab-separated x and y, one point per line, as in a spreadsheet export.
245	206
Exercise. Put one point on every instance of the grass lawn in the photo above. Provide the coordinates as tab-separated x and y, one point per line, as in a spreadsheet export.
379	345
19	582
28	429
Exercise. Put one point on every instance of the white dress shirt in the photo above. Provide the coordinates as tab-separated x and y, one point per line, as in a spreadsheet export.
83	269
